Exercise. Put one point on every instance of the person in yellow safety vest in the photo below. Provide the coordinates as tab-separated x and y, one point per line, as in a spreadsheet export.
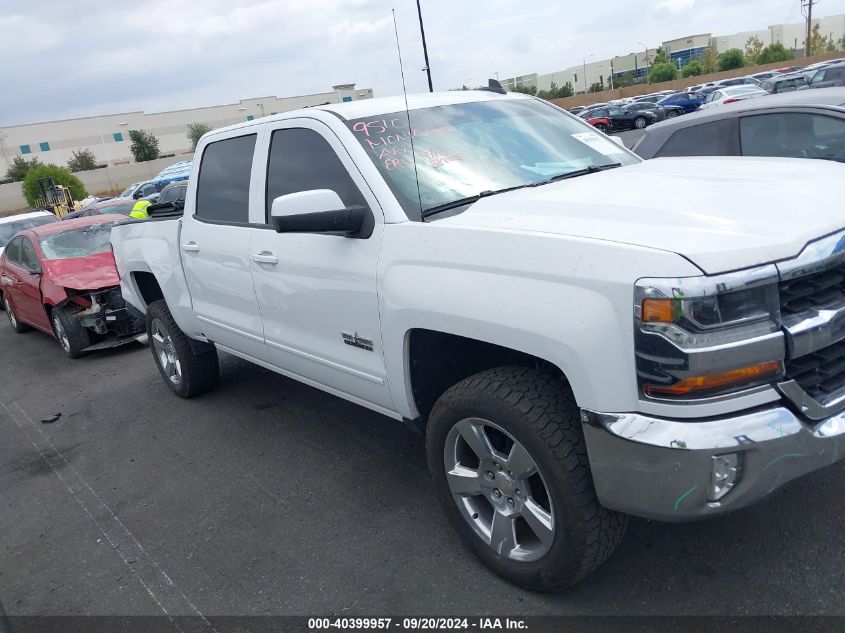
139	211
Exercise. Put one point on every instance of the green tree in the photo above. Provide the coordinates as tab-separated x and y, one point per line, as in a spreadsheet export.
596	86
830	46
628	79
818	43
662	72
693	69
774	53
20	166
60	175
730	59
660	57
528	90
144	145
753	47
82	160
196	130
708	61
841	43
556	92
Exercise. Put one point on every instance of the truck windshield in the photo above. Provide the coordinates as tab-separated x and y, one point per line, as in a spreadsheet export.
468	149
80	242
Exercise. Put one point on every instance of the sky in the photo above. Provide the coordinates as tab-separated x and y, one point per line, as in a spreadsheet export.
66	58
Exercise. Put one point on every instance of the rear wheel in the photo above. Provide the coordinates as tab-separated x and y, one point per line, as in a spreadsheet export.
671	114
17	326
71	335
601	127
188	367
507	454
640	122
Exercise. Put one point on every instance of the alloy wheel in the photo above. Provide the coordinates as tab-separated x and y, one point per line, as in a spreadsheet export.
165	353
61	333
499	489
9	312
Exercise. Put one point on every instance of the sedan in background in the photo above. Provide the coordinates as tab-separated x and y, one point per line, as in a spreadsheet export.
61	279
732	94
784	83
11	224
662	112
621	118
800	124
829	76
689	101
121	206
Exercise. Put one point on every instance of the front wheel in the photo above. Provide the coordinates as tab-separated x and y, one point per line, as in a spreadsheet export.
671	114
189	368
640	122
70	333
507	454
601	127
17	326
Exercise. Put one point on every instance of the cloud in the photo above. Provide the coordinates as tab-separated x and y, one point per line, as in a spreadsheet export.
95	57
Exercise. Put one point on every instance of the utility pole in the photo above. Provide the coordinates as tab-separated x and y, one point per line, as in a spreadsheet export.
425	49
808	5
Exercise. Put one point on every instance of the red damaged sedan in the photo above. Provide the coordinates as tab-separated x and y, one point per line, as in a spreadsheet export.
61	278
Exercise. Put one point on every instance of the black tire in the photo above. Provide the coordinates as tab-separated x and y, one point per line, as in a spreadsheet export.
73	338
601	127
198	367
671	114
539	411
16	324
640	122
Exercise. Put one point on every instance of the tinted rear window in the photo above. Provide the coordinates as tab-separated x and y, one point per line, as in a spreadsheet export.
8	229
708	139
223	186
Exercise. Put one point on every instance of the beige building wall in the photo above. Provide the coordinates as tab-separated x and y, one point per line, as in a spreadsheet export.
108	135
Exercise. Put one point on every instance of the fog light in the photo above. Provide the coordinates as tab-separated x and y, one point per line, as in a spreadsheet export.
726	471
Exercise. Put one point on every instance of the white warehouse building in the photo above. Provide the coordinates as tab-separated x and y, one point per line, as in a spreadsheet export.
108	135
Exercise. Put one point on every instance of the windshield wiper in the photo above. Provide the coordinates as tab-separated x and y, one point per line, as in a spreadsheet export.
592	169
461	202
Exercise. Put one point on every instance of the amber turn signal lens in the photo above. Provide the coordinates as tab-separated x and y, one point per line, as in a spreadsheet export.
658	311
716	381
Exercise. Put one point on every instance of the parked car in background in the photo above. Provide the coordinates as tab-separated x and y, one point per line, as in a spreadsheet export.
601	123
622	118
120	206
662	112
690	102
758	77
801	124
731	94
172	198
784	83
577	109
11	224
737	81
61	279
829	76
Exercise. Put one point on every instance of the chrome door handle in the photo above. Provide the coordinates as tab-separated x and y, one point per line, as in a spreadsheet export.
191	247
265	257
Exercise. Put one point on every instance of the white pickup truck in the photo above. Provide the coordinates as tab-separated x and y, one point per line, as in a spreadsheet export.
580	334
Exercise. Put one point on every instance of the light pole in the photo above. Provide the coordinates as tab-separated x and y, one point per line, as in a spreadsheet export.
645	48
585	73
611	74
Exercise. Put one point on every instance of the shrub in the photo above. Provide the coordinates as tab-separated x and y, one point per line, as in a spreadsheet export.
195	132
693	69
662	72
60	175
20	166
774	53
730	59
82	160
144	145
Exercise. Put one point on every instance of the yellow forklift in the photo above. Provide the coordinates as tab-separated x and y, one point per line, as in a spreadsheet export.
55	198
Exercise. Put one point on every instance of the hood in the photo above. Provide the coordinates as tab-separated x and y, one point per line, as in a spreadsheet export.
83	273
721	213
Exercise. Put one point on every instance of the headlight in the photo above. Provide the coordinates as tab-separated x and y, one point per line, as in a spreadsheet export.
707	336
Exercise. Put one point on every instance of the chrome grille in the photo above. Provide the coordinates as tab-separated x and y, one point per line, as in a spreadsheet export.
826	288
820	374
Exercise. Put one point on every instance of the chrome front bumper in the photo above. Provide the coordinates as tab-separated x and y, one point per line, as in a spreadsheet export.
660	469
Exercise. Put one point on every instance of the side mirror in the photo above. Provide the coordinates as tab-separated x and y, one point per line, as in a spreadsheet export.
618	141
318	211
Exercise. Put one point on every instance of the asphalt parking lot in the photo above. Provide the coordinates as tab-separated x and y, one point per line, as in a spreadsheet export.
630	137
268	497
